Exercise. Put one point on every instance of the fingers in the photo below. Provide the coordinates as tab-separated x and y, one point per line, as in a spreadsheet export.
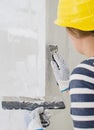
41	117
39	110
44	117
47	113
54	66
59	60
35	113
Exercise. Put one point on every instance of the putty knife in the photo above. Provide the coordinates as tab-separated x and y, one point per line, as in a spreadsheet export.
53	49
9	105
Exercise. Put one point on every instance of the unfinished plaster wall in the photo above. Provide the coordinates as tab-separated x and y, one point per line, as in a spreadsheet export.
22	56
22	48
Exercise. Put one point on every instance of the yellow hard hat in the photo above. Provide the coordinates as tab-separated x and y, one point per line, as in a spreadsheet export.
77	14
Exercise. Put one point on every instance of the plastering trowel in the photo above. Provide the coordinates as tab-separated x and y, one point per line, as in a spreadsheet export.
53	49
31	105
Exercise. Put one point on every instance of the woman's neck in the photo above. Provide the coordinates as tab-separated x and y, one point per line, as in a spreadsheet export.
88	46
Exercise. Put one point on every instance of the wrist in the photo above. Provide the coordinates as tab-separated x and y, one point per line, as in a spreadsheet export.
40	129
63	85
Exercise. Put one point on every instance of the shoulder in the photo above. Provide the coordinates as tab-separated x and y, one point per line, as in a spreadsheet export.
86	67
83	74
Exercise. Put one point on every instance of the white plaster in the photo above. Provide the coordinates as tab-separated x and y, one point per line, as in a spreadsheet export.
22	48
12	120
23	33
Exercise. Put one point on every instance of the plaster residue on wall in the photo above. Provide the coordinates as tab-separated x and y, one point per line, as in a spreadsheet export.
19	66
22	63
19	13
12	120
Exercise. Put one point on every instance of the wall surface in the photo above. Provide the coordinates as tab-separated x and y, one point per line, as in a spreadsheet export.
22	56
22	48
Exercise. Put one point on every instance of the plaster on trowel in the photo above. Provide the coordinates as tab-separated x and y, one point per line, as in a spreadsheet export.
31	105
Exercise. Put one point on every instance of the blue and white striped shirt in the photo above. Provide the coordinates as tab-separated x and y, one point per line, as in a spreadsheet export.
82	95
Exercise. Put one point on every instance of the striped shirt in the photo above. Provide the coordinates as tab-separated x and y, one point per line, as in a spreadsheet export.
82	95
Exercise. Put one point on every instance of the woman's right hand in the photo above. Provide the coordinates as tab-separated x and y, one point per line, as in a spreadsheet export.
61	71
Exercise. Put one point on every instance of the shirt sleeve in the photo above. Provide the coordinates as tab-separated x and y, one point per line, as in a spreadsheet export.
82	97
